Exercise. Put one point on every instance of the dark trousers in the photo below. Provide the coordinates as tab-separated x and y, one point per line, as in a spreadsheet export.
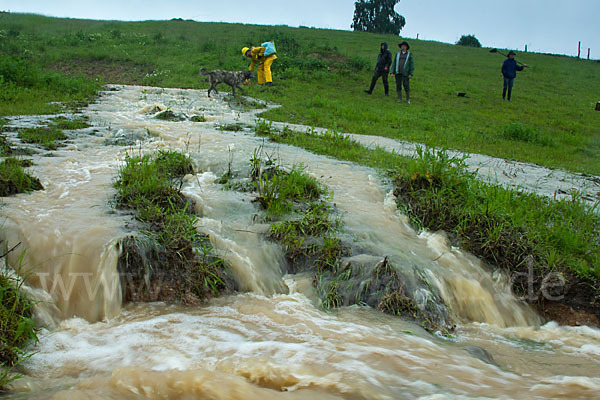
402	80
508	85
384	78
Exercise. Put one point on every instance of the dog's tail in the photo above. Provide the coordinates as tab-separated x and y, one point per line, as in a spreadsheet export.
203	71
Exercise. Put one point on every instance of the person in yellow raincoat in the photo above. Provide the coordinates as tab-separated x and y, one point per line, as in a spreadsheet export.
263	56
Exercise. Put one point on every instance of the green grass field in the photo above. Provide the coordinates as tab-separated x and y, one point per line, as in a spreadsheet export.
319	77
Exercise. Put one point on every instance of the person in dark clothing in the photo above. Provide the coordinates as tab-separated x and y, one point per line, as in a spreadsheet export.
509	71
403	68
382	69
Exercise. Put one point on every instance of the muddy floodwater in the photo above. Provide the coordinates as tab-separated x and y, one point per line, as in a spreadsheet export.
272	340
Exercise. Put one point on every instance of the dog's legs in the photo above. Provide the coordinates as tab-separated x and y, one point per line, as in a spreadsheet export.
213	88
241	90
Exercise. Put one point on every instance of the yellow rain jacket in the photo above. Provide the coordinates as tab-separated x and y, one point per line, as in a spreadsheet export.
258	57
264	64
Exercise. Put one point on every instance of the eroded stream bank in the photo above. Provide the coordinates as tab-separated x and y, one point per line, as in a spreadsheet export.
274	338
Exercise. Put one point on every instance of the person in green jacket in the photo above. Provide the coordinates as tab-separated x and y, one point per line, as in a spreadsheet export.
403	68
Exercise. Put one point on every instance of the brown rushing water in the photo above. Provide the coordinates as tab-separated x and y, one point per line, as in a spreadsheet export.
275	341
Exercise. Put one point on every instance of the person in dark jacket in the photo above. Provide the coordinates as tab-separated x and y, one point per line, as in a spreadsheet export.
509	71
403	69
382	69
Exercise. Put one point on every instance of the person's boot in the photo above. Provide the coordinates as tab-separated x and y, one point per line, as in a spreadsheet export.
269	84
372	86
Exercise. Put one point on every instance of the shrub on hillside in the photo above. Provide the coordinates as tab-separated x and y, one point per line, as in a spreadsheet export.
468	40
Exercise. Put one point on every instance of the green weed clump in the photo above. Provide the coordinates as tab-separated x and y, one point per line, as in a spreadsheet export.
147	185
14	179
5	147
46	137
17	328
198	118
231	127
176	258
169	115
173	164
309	240
245	104
7	150
509	229
70	124
278	190
522	133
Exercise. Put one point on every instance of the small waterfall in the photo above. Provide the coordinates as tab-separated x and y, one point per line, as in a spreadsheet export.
67	232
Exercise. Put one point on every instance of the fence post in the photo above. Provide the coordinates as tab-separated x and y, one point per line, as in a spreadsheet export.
588	53
525	48
579	50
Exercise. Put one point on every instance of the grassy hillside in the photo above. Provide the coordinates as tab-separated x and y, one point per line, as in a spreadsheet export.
319	80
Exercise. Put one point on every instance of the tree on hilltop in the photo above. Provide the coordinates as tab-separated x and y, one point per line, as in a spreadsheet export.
468	40
377	16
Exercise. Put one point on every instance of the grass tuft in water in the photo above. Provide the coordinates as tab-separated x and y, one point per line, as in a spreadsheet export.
5	147
14	179
17	328
309	237
232	127
70	124
177	260
46	137
198	118
278	190
169	115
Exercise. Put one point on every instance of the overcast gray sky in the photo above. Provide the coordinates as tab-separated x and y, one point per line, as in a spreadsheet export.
545	25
